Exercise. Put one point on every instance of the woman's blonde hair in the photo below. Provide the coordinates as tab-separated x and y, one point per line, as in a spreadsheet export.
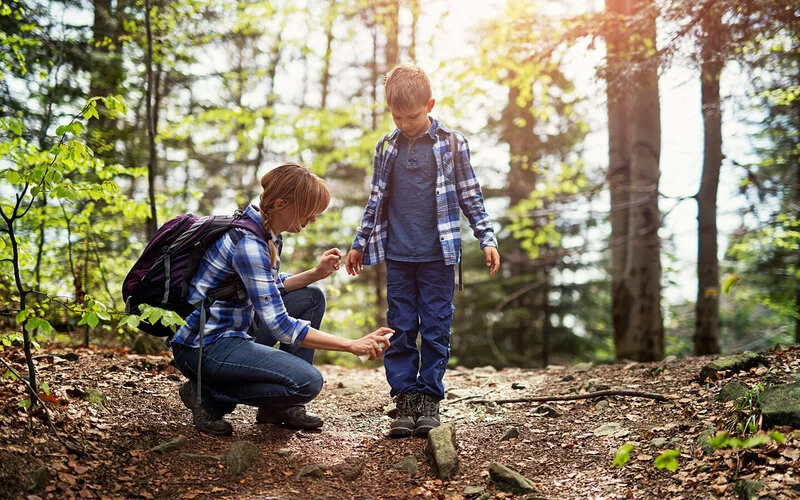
292	183
407	86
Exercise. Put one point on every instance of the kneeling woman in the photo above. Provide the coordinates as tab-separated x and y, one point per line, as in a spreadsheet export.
237	361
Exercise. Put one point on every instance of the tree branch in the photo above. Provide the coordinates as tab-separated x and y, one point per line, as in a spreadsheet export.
588	395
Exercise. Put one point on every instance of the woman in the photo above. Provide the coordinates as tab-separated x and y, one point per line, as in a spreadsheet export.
237	362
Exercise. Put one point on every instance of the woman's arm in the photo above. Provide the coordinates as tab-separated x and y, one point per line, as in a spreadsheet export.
373	344
328	263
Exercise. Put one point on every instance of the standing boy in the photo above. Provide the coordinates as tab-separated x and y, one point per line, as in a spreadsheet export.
412	221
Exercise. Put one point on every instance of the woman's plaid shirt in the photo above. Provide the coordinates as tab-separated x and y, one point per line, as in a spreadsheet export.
456	186
240	252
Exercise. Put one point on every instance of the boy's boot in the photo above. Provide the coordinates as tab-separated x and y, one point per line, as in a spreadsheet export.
293	417
428	415
403	425
204	418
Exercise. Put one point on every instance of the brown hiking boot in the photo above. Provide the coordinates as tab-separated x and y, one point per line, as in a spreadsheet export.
403	424
203	417
293	417
428	415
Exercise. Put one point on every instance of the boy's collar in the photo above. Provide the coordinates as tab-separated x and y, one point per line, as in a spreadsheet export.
433	130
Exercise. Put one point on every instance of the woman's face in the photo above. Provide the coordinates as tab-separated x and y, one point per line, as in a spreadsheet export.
285	218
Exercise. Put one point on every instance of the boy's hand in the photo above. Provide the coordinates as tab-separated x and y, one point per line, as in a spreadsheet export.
329	262
492	259
353	264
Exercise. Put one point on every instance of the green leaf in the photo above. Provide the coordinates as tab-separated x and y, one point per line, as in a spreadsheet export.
25	403
45	388
13	176
777	436
668	460
22	315
729	281
623	455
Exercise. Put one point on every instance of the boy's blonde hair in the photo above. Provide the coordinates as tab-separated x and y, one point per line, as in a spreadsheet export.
292	183
407	86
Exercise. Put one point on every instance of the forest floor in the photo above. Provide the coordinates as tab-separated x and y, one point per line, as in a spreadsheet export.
565	449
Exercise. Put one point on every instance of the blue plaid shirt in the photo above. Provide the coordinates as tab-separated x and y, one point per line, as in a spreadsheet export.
456	186
240	252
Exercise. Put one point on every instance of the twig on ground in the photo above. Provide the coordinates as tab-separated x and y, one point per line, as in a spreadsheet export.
44	407
588	395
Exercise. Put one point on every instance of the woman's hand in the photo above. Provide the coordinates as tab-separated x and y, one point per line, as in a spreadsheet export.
372	345
328	263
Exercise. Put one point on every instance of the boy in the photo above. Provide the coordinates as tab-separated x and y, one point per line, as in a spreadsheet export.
412	221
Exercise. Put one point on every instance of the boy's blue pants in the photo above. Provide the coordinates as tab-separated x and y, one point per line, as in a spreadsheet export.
420	298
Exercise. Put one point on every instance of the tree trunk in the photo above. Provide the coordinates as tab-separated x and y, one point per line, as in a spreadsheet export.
152	222
619	163
707	335
636	307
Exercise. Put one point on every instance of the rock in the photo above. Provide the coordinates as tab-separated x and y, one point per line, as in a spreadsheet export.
313	470
441	451
748	489
581	368
510	481
780	405
546	411
350	469
611	429
148	344
390	411
485	369
95	397
39	479
658	442
473	491
554	368
408	464
702	441
733	390
732	364
240	456
457	394
669	359
510	433
168	446
283	452
568	378
518	386
601	404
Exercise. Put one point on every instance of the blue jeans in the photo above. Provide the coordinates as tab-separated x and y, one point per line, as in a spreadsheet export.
252	372
420	298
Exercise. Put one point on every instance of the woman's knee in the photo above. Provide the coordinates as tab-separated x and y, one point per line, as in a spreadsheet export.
317	296
311	383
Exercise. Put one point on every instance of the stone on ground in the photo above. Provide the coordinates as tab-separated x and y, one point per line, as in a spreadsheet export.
780	405
442	452
509	480
733	364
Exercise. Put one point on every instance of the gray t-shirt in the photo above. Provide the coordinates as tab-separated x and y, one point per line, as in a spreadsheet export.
413	233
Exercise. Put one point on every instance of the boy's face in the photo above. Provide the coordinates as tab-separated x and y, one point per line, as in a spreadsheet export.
413	122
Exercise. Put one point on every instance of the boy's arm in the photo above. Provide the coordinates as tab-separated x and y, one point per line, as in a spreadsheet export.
368	220
470	198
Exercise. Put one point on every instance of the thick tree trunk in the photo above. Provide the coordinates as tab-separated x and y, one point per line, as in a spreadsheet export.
707	335
619	163
638	329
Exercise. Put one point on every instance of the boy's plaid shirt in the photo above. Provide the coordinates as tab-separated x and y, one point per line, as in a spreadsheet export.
456	186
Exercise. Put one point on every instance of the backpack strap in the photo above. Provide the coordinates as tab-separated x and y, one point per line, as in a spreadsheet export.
454	151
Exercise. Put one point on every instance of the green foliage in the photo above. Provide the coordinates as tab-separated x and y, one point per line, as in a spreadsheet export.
724	439
154	315
623	455
667	460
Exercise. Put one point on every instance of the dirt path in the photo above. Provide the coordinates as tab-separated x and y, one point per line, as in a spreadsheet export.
568	455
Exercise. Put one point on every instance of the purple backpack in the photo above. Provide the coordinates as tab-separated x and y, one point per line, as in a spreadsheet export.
162	274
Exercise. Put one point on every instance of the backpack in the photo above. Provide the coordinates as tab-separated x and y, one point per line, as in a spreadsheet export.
162	274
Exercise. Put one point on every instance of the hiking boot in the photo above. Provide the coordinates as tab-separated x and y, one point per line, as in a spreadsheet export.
204	418
293	417
403	424
427	416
